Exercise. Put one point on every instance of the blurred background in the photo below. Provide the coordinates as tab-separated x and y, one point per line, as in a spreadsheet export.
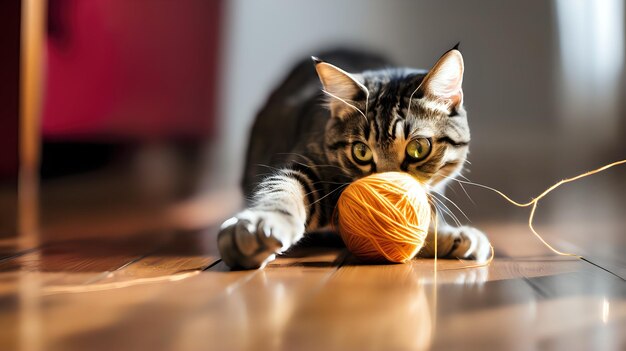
145	106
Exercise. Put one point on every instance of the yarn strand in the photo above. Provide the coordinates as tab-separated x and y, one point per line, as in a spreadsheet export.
534	202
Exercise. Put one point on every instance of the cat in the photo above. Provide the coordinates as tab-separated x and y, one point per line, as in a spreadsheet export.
308	143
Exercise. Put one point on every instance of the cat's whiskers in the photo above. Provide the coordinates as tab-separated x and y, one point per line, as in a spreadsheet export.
326	182
408	111
304	164
488	188
347	103
452	202
439	210
268	166
461	185
367	101
443	214
294	154
464	177
453	191
446	210
467	194
315	166
329	193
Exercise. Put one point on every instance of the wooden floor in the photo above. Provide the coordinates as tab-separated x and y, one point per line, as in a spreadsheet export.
168	290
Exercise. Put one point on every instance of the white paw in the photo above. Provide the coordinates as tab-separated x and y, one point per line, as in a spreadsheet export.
470	243
252	238
471	276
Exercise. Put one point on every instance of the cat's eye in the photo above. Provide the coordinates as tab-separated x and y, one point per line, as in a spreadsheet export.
418	149
361	153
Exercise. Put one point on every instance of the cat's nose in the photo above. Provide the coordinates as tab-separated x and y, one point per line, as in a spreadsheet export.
387	165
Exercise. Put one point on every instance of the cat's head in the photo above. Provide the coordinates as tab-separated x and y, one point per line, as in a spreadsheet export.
397	119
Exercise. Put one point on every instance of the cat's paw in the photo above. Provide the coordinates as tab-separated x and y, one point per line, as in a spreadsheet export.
471	276
251	239
470	243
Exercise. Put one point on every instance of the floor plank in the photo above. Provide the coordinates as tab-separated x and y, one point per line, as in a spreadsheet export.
172	292
188	314
184	252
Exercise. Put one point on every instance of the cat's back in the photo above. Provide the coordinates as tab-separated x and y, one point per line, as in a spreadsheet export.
293	115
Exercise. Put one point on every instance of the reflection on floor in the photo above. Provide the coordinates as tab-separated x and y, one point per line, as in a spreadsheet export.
167	290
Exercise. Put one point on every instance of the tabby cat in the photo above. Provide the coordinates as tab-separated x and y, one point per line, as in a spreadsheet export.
307	144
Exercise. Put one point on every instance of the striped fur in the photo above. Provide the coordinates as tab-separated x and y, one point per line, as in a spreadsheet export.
300	152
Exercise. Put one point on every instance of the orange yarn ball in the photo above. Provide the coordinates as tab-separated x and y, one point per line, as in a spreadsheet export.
384	217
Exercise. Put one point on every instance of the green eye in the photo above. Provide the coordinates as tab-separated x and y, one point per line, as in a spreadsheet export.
418	149
361	153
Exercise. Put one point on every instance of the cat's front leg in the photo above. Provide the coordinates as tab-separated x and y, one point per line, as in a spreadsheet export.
273	223
457	242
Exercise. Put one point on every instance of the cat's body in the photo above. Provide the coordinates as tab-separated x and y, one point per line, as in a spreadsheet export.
301	155
279	140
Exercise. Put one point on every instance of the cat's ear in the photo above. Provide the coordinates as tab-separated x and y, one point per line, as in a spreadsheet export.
443	82
342	87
